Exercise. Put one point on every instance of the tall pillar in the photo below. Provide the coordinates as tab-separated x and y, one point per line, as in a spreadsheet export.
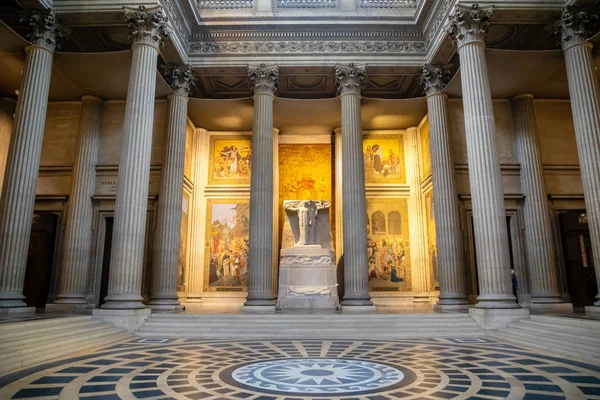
541	259
264	79
126	262
416	218
7	111
165	257
468	27
585	104
451	267
18	190
350	80
78	232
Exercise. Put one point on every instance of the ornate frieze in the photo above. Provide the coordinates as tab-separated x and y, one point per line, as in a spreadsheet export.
264	78
350	79
147	26
307	47
434	78
180	78
306	3
224	4
44	29
573	26
469	25
388	3
176	21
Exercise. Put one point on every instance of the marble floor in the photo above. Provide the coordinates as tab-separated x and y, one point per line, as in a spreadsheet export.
143	368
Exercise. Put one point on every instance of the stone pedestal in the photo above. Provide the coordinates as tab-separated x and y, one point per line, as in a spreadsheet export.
494	319
65	308
130	320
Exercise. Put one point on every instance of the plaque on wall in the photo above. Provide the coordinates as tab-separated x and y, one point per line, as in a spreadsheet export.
388	245
226	245
230	158
384	159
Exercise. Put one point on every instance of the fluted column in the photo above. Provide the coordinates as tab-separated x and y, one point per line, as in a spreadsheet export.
127	254
350	80
451	268
166	245
585	104
469	27
264	79
7	110
541	259
78	231
18	190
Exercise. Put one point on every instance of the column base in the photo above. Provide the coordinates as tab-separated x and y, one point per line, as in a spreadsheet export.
19	310
497	301
269	309
452	307
352	309
594	310
166	307
421	299
130	320
551	306
123	302
497	318
65	307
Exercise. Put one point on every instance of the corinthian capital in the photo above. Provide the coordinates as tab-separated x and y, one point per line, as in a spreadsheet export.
469	25
264	78
147	26
573	26
434	78
44	29
180	78
350	79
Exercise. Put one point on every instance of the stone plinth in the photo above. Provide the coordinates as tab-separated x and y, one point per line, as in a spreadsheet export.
497	318
130	320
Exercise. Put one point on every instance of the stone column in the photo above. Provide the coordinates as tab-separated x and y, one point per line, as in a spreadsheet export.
585	103
350	80
166	245
416	218
78	232
18	190
451	267
541	259
7	111
126	263
264	81
468	27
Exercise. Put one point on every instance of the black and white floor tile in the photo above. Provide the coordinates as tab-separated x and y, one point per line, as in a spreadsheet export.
308	369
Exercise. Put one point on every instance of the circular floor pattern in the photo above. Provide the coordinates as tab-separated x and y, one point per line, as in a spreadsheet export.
164	369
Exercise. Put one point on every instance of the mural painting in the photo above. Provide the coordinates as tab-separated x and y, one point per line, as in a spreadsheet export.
425	152
183	246
230	160
226	252
431	240
384	159
388	245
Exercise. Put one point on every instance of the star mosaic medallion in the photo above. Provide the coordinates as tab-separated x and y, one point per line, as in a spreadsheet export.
145	368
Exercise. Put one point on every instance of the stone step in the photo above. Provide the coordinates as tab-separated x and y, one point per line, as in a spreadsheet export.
45	331
31	340
568	321
558	338
527	340
314	317
573	333
307	324
37	325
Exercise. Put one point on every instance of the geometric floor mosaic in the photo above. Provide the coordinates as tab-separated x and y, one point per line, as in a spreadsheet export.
308	369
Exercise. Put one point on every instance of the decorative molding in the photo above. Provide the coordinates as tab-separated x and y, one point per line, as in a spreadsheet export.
264	78
180	78
44	29
388	3
434	78
147	26
306	260
350	79
224	4
177	20
307	3
573	26
469	25
307	47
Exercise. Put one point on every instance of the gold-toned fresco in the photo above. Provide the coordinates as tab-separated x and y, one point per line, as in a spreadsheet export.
230	160
425	152
183	244
226	248
305	173
384	159
431	240
388	245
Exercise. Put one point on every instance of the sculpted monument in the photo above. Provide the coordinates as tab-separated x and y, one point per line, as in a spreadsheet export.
307	273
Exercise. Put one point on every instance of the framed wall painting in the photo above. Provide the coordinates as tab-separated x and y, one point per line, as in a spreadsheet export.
384	159
230	159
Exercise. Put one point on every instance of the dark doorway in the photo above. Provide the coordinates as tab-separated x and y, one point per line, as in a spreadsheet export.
39	258
579	267
106	258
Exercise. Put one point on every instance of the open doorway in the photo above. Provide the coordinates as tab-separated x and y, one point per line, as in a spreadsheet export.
108	233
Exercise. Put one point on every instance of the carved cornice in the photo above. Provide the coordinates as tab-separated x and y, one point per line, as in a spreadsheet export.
177	21
44	29
573	26
263	78
434	78
147	26
180	78
469	25
350	79
307	47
